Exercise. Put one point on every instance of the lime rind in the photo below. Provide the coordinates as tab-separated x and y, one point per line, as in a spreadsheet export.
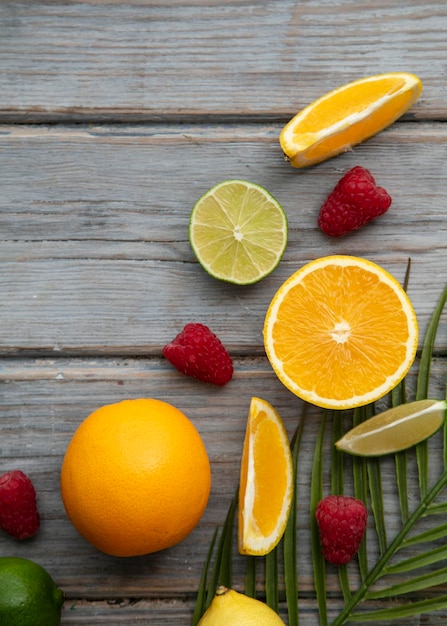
238	232
28	593
396	429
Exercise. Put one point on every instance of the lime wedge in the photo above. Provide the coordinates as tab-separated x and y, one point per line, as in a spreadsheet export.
238	232
396	429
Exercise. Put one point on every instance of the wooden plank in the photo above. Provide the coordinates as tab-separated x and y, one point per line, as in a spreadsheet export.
125	611
42	402
100	59
113	184
175	613
96	259
96	272
138	307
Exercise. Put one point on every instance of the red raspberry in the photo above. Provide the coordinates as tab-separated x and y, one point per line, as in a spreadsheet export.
197	352
342	522
18	508
355	201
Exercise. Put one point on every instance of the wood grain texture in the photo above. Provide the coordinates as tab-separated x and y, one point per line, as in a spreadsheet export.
43	400
94	230
115	117
154	60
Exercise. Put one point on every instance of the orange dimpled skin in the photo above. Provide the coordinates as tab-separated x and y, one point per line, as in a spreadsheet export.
135	477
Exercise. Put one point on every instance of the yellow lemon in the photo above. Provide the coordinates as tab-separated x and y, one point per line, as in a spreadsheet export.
230	608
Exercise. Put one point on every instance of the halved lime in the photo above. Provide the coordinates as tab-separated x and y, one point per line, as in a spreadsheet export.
394	430
238	232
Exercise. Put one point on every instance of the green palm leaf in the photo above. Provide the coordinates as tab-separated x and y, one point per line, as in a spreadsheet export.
384	579
418	561
390	564
401	611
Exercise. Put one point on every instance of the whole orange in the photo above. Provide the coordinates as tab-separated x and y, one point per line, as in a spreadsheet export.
136	477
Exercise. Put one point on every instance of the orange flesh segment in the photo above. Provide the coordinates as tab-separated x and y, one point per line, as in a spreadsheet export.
271	483
266	490
356	335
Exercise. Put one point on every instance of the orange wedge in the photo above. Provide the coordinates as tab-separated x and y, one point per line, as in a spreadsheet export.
266	481
347	116
341	332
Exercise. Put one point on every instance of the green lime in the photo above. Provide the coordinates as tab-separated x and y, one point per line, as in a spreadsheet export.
238	232
396	429
28	594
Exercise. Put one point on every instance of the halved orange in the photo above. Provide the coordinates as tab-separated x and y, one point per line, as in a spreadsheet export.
266	481
347	116
341	332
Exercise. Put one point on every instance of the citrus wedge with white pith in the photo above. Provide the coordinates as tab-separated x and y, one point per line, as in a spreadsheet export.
347	116
266	481
396	429
238	232
341	332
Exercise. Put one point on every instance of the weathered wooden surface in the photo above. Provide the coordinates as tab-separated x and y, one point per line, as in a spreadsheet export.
88	216
144	59
115	117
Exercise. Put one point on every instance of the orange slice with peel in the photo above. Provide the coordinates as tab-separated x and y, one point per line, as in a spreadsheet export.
347	116
341	332
266	481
